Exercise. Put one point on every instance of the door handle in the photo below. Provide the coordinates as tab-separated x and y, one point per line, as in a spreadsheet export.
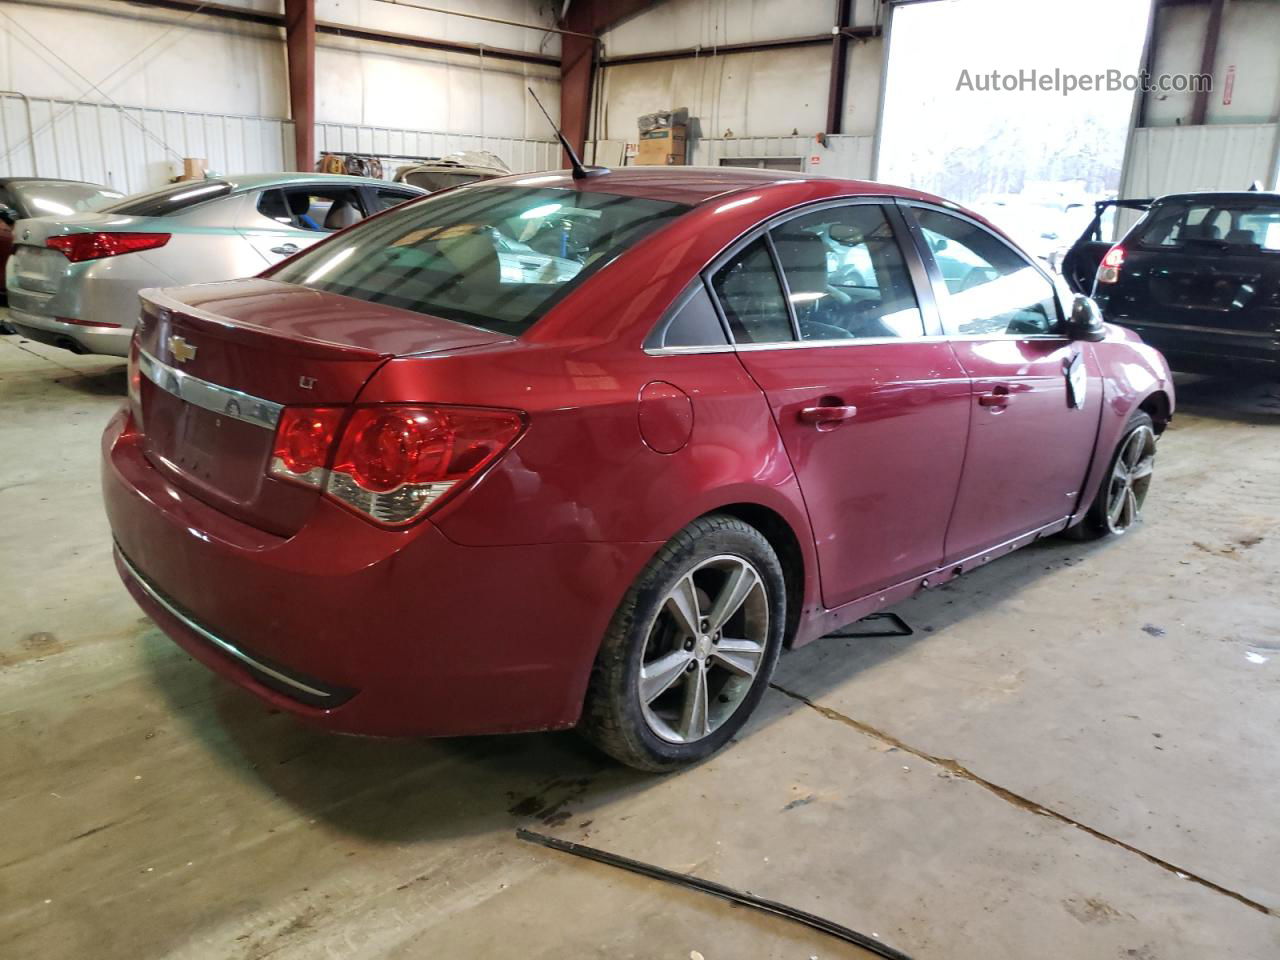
827	415
998	397
287	249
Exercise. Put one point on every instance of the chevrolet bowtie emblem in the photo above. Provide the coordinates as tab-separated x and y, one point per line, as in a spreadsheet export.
181	350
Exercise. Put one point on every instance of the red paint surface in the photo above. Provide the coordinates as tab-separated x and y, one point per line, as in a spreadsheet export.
487	615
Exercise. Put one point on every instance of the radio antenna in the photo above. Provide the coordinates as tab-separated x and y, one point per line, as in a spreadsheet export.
580	172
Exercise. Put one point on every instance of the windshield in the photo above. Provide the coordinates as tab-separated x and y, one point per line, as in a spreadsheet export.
1246	224
172	199
53	198
492	257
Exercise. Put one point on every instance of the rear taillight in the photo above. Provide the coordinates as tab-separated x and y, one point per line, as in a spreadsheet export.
304	439
394	462
1109	270
94	246
135	383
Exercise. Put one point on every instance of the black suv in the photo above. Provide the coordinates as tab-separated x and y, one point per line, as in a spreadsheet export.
1198	277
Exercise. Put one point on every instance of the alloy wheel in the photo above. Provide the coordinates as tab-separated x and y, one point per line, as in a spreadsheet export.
704	649
1130	479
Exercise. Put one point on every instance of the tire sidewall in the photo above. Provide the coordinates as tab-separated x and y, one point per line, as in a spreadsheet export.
649	593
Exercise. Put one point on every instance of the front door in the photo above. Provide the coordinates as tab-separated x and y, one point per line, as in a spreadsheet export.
872	414
1036	396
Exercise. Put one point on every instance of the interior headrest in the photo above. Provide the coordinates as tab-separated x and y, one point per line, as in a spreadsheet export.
299	203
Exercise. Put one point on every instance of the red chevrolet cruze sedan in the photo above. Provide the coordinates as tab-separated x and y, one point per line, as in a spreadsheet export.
547	451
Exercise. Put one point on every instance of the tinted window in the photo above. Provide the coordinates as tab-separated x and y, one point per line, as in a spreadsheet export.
751	296
386	199
694	323
311	208
493	257
991	288
1239	224
846	275
172	199
46	198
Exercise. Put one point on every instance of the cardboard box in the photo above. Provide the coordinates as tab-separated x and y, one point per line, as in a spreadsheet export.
674	132
193	168
661	151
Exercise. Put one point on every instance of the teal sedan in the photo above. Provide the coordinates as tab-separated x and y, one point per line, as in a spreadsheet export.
75	280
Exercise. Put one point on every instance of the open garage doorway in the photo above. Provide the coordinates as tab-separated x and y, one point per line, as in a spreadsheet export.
1019	109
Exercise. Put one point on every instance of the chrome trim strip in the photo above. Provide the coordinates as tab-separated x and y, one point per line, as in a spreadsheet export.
213	638
218	399
1139	324
850	342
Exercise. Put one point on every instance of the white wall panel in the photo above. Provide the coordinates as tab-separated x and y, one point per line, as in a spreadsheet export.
156	58
134	148
677	24
1216	157
765	94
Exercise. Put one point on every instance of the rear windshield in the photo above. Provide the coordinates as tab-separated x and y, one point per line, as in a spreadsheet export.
1242	224
52	198
172	199
488	256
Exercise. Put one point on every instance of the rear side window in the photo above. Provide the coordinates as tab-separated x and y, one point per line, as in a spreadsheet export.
751	296
1233	224
846	275
693	323
169	200
489	256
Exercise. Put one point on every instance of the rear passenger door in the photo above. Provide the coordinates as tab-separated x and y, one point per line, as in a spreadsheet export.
1031	436
868	397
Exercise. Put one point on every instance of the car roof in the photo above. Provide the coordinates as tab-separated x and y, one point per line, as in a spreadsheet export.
1222	196
695	185
254	181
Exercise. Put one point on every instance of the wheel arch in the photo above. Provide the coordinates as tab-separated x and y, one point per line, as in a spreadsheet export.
1159	407
786	543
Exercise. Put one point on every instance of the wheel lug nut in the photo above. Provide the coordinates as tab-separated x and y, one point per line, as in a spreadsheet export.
688	644
689	668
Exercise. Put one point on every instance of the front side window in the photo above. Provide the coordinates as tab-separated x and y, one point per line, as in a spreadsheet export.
497	257
846	275
751	296
991	289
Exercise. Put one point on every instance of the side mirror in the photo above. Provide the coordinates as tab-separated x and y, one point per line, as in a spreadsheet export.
939	244
8	215
1085	322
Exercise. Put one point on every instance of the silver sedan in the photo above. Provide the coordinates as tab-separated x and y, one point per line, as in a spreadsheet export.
75	280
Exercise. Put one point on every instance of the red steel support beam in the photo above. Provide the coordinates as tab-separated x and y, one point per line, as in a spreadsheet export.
300	45
1208	57
839	62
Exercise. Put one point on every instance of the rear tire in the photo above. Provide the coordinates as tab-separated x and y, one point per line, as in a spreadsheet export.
690	649
1118	504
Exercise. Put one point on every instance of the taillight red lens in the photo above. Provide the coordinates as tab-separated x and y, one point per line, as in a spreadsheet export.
1109	269
396	462
77	247
304	437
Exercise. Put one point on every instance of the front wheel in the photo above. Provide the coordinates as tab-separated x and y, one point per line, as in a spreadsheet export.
1118	505
691	648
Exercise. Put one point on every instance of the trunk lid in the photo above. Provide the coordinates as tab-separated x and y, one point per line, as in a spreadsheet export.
220	361
40	270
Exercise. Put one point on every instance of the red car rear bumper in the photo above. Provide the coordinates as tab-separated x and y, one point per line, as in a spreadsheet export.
398	633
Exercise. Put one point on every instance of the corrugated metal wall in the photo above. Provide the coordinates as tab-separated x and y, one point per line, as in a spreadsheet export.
1213	157
388	144
131	148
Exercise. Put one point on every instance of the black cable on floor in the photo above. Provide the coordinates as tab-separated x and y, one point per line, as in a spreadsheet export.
820	924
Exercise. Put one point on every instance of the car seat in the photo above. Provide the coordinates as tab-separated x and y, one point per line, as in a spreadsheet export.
342	214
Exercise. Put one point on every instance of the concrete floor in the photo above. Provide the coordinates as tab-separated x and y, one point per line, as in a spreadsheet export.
1076	755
